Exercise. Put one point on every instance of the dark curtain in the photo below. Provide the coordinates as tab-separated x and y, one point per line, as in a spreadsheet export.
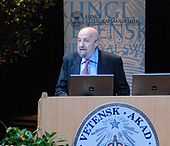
157	36
22	82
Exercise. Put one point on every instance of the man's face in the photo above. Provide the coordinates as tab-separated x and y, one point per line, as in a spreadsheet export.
86	43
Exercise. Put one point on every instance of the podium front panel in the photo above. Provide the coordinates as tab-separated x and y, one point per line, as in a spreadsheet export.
64	115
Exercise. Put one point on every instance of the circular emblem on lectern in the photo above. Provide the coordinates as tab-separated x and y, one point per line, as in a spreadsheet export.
116	124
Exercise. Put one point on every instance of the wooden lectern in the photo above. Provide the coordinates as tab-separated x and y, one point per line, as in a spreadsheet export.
64	115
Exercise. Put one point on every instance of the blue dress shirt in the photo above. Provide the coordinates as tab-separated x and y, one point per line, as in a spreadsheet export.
92	67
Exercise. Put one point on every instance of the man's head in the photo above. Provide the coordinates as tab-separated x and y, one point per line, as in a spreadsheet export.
87	41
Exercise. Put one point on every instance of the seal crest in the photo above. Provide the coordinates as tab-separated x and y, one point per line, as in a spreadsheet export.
116	124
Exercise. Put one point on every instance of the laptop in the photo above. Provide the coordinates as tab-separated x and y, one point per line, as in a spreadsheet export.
91	85
151	84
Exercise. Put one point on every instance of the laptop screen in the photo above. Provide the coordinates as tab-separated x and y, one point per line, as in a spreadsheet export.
91	85
151	84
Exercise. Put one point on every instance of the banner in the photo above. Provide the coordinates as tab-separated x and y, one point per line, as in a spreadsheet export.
120	23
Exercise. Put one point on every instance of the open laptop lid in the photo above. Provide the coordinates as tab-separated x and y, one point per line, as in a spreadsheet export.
151	84
91	85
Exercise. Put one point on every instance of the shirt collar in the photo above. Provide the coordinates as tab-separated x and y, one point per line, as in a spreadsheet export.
93	58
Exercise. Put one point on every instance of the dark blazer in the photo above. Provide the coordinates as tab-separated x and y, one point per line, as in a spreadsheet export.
107	64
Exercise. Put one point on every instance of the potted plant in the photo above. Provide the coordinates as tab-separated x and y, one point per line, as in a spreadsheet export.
23	137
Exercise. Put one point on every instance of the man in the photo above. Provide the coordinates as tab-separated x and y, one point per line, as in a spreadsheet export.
99	62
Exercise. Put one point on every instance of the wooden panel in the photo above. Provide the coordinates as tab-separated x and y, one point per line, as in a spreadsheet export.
65	114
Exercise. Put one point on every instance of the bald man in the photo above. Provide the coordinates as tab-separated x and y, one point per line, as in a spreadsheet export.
100	63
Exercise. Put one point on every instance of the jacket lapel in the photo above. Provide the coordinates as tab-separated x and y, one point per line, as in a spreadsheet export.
100	66
76	65
104	66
